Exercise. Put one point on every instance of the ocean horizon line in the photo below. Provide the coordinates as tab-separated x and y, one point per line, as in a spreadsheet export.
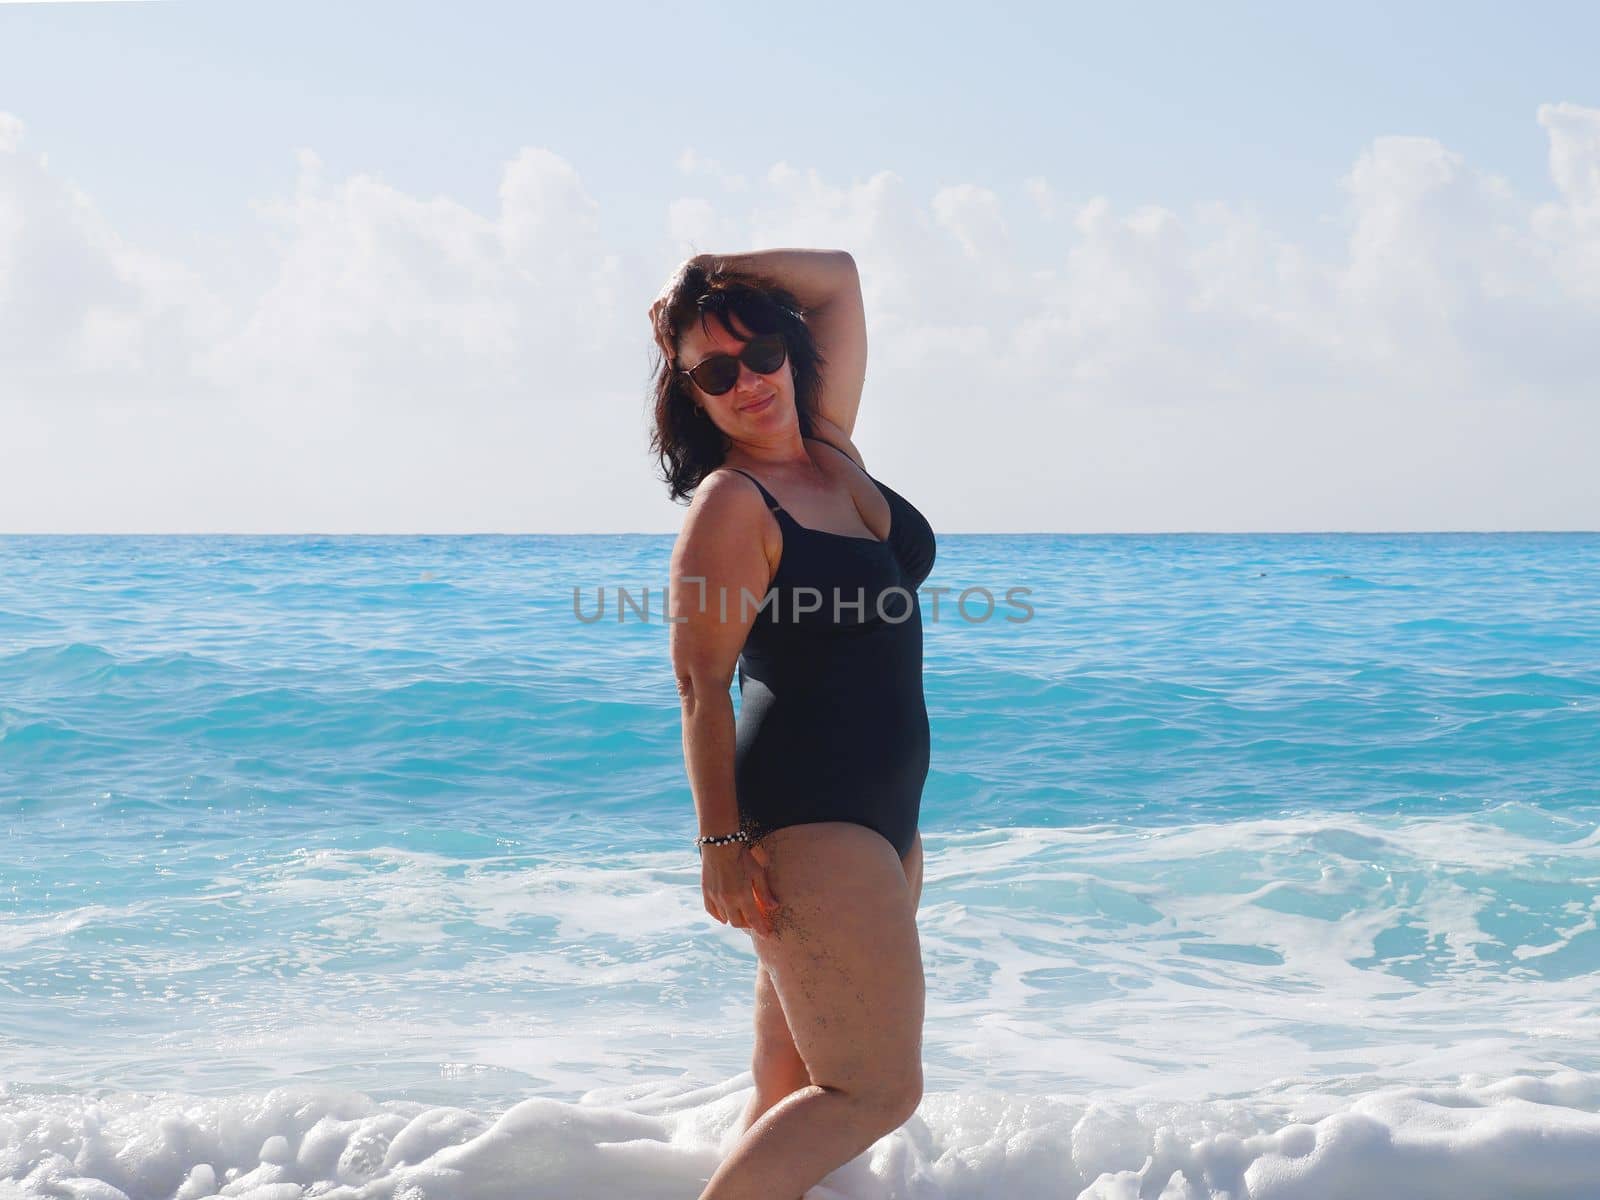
1108	533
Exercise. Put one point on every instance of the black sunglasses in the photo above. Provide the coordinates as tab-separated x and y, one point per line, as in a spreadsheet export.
717	373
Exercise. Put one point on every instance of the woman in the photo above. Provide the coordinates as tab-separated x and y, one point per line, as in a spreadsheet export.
797	566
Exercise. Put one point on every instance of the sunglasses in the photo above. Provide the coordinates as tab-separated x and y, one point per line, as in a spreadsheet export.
717	373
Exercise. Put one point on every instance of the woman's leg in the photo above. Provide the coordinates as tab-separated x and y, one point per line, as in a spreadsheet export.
846	964
775	1064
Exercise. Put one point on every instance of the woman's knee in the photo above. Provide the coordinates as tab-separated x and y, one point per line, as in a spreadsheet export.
903	1094
889	1086
890	1097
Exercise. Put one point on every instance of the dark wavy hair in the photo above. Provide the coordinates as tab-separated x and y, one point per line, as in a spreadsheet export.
687	444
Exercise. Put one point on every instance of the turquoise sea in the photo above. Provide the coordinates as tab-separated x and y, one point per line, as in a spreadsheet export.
1258	866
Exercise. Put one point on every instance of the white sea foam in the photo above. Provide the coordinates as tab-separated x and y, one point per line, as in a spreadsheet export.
1522	1138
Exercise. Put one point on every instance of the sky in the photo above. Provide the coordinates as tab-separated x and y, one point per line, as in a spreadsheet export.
384	267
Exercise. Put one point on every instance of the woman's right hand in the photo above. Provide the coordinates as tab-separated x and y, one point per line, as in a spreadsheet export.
733	880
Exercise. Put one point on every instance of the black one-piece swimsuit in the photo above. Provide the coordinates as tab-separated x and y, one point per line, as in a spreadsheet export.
832	724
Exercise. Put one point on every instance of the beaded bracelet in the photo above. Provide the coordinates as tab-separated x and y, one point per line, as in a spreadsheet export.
720	839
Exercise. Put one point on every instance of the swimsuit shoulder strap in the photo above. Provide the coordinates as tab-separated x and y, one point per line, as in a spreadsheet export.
771	503
844	455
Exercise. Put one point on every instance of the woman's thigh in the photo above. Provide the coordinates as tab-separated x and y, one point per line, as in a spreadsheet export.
844	955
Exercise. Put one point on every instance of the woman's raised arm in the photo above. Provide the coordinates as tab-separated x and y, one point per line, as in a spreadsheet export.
828	287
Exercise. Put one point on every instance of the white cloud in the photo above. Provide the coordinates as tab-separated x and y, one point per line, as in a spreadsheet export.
696	227
75	298
691	162
1045	197
1572	225
10	134
972	216
409	363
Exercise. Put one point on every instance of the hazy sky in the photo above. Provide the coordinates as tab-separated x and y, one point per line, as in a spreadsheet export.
383	267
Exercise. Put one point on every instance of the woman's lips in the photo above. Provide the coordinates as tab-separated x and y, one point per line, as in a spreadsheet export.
757	406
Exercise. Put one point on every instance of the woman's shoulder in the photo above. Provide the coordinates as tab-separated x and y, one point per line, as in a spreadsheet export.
725	502
725	491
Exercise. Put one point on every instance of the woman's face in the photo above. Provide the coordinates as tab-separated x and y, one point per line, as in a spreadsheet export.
756	404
